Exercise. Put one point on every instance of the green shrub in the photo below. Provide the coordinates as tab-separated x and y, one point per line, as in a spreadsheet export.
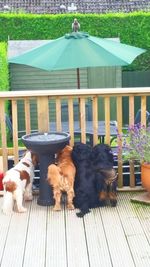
132	28
4	80
3	67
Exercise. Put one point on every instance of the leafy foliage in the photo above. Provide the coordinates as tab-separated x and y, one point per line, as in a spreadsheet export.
131	28
3	67
136	143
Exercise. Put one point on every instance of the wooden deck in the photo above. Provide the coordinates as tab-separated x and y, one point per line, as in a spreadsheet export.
105	237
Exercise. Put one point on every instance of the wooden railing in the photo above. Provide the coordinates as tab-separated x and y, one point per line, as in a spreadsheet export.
43	100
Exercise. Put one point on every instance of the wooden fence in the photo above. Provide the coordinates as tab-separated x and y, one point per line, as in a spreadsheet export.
43	99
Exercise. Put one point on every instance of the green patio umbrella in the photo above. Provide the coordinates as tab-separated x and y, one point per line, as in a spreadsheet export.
78	50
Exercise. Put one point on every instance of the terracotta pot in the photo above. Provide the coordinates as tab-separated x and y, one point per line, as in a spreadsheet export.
145	176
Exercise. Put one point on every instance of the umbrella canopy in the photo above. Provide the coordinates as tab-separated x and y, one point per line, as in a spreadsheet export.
78	50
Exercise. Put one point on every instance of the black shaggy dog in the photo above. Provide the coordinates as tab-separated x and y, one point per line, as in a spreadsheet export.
105	175
86	194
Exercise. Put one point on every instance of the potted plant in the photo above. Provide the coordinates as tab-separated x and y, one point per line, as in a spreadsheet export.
136	147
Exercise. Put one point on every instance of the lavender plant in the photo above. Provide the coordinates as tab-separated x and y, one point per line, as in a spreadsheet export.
136	143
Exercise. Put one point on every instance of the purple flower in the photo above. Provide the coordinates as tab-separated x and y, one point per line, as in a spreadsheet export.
136	143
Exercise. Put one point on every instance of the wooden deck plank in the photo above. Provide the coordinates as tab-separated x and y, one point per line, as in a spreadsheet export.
76	241
143	246
134	232
143	213
110	237
4	227
36	236
118	246
15	243
140	250
128	216
96	240
56	239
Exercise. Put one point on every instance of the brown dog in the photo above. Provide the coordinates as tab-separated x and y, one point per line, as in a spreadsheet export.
61	178
109	187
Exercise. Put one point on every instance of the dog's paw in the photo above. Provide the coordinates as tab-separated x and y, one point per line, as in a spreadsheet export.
81	214
22	209
102	203
70	207
28	198
113	203
7	212
57	208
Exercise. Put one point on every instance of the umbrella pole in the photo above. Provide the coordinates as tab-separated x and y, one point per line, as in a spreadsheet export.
78	78
78	86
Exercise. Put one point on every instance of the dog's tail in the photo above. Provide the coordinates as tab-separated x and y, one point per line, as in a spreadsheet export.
10	186
53	174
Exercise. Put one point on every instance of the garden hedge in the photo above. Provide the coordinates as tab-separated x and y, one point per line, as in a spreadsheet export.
132	28
3	67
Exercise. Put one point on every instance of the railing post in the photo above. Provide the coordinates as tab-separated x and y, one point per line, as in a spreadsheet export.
3	134
15	130
131	122
82	120
58	114
95	120
119	121
107	119
71	120
27	116
143	110
43	116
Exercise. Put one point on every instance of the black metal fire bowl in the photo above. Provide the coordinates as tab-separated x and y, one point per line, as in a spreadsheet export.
46	145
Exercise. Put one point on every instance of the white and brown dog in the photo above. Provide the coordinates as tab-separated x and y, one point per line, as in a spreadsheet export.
17	183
